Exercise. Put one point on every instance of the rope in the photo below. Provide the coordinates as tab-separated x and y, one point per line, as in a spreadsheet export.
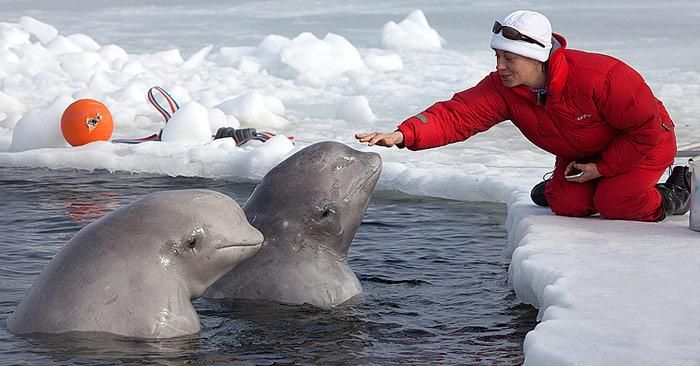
154	137
154	94
164	103
171	103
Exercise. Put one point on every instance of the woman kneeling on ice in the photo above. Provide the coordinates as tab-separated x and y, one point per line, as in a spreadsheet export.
612	138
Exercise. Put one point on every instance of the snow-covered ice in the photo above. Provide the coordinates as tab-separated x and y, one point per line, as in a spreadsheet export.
608	292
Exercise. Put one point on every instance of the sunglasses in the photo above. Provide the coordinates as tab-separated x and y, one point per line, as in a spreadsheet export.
513	34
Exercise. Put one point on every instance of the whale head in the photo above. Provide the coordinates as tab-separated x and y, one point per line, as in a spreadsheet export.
319	196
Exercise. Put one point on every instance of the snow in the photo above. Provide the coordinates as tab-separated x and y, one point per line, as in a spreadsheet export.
608	292
355	108
41	128
189	125
627	290
412	33
42	31
253	108
317	60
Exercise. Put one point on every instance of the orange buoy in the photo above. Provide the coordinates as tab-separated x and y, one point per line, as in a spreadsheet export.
86	120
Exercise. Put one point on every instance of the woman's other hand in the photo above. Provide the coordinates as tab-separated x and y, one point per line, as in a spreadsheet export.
381	138
590	172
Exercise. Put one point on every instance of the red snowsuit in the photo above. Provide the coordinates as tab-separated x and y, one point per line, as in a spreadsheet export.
598	110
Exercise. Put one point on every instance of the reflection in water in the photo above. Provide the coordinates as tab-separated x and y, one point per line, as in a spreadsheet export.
85	209
88	347
260	331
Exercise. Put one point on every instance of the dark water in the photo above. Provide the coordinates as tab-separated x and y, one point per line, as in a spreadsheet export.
434	283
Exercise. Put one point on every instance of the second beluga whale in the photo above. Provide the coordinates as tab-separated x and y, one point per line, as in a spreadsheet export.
308	208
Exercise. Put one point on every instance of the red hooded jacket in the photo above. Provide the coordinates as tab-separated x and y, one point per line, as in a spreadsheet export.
598	109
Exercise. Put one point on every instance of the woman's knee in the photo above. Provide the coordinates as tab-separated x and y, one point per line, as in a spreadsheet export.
570	202
616	205
610	202
610	211
571	209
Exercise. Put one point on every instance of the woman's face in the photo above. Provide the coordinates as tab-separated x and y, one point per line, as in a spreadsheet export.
518	70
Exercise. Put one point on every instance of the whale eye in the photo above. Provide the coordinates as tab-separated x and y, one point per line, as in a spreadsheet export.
192	242
327	212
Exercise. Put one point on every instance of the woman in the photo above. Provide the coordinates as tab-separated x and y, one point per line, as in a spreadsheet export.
613	140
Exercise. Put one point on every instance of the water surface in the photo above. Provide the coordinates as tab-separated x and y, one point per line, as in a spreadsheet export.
434	284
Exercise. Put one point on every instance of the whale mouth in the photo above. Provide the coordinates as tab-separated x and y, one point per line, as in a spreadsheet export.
364	183
239	245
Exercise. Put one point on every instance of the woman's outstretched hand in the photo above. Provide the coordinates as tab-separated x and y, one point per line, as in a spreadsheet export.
381	138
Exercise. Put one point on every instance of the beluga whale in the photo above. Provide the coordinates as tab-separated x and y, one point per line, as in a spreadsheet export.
135	271
308	208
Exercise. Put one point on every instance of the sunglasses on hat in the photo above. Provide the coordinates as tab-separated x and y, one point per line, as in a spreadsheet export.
513	34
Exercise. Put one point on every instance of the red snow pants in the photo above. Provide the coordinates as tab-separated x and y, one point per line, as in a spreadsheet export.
628	196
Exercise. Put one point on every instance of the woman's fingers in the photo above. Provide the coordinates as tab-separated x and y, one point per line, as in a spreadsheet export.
569	167
590	172
380	138
364	137
373	138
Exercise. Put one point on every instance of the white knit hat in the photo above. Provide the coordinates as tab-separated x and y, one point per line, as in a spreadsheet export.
531	24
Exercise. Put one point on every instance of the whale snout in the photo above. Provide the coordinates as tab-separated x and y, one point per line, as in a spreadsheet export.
371	159
254	238
373	168
374	162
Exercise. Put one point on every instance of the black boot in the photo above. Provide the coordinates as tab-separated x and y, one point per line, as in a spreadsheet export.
537	194
675	193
